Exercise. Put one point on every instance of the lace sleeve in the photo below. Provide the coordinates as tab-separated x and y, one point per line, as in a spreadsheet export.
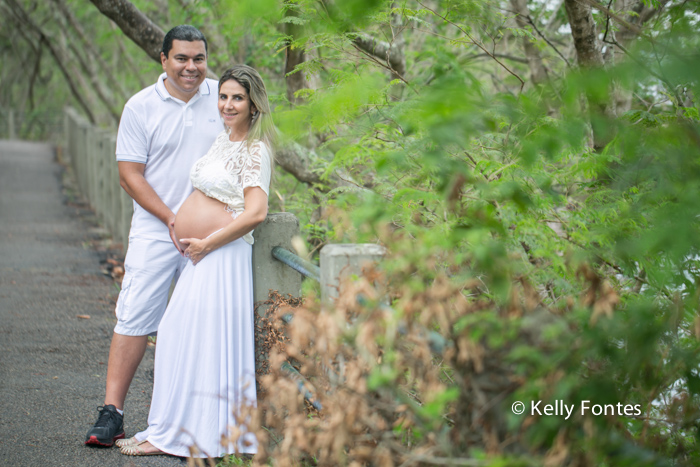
258	170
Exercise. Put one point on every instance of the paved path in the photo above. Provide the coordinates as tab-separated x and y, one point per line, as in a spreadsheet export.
52	363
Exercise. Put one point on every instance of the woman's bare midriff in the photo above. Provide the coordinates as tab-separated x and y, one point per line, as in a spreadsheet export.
200	216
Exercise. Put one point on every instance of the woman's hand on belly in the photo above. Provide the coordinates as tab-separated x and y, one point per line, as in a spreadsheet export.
196	249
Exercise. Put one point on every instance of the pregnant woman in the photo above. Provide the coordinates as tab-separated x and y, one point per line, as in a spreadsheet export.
205	363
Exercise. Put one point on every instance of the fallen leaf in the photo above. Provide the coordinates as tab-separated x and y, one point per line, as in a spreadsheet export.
117	272
84	316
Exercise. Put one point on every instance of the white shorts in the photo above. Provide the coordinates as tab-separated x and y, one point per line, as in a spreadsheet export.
149	268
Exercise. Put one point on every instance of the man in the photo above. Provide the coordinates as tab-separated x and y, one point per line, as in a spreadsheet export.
163	130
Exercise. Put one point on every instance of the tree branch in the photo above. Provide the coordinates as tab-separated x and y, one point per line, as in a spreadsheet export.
57	54
87	65
137	26
125	56
554	22
88	45
383	50
550	43
475	42
538	72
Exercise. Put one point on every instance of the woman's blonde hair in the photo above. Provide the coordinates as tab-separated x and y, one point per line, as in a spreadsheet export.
262	128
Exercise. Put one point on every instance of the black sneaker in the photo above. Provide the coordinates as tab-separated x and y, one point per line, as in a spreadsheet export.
109	427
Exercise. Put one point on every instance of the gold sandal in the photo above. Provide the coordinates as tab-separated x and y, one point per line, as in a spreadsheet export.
126	442
137	450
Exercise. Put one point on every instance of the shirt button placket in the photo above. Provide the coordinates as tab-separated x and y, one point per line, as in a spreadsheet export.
188	116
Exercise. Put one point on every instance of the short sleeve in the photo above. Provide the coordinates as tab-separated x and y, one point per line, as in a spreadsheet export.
132	144
258	170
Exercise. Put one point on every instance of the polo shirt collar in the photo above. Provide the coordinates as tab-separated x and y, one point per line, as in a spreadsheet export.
163	93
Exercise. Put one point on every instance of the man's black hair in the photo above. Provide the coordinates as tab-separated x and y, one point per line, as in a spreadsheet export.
184	32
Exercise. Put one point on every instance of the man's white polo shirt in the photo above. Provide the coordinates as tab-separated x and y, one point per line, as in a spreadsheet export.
168	135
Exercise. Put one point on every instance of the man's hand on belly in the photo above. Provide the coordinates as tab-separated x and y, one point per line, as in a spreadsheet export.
171	231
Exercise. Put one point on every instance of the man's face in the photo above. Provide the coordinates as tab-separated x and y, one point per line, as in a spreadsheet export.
186	67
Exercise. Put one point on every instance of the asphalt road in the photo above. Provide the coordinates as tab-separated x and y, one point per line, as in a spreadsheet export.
53	363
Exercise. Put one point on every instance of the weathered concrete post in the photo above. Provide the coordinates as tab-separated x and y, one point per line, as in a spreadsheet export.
71	126
90	159
342	261
99	174
277	230
108	190
66	154
115	192
268	273
81	169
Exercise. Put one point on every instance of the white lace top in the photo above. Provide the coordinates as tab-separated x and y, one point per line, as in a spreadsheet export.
228	168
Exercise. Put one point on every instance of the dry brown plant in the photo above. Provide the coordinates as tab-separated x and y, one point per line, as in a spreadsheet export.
394	391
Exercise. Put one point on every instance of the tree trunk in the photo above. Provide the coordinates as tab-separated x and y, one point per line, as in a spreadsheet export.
638	14
589	56
583	30
554	21
295	56
538	72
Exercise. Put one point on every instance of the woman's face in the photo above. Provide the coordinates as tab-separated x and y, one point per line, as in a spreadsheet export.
235	107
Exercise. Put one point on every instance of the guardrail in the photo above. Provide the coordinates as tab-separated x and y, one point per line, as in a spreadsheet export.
91	153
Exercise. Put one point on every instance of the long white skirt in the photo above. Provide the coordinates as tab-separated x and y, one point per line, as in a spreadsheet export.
205	358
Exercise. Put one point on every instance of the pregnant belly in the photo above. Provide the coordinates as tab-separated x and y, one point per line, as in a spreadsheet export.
200	216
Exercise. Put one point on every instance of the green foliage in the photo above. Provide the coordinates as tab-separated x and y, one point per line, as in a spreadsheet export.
483	186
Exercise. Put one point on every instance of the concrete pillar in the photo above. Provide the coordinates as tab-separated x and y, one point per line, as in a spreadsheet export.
342	261
105	180
99	168
67	156
268	273
92	150
81	169
115	193
108	189
70	137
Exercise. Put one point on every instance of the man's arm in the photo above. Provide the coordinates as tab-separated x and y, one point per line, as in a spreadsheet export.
134	183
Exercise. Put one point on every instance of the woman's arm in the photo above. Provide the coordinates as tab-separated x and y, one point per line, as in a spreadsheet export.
254	213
